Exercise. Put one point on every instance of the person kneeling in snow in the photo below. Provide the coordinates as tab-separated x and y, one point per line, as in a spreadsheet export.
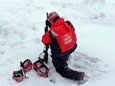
62	40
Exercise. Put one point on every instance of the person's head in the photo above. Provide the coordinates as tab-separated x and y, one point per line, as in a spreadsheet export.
53	16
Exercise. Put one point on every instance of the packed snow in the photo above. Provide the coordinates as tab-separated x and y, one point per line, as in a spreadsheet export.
22	25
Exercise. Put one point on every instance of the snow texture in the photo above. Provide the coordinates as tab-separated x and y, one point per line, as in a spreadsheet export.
22	25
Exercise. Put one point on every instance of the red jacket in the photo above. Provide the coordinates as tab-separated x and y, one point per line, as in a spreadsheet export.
63	33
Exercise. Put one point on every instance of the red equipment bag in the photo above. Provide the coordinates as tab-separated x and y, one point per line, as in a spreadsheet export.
26	65
67	41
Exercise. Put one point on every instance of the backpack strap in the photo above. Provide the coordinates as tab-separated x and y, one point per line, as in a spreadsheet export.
55	48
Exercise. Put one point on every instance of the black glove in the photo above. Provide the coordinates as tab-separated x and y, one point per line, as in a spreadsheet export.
48	23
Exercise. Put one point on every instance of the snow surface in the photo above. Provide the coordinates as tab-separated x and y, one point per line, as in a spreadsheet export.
22	25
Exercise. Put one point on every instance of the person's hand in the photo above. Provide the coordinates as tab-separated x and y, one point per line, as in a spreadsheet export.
47	23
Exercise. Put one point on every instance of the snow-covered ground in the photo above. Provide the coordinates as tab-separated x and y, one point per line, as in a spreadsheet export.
22	25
